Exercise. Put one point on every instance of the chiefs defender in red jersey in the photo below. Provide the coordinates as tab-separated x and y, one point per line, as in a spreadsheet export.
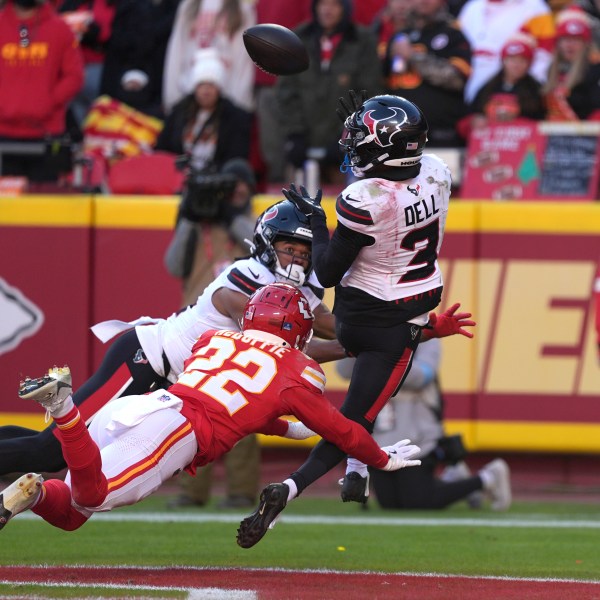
235	383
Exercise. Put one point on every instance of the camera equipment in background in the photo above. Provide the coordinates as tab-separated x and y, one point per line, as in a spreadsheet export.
450	449
206	194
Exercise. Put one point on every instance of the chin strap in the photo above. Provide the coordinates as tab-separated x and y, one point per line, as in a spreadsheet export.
293	274
345	166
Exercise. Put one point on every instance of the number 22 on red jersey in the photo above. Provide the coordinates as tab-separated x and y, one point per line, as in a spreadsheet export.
231	375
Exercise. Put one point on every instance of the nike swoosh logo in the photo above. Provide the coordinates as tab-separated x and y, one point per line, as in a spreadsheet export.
350	198
253	274
262	510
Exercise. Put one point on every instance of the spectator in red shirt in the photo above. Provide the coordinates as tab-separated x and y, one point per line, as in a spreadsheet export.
391	20
41	71
91	23
365	11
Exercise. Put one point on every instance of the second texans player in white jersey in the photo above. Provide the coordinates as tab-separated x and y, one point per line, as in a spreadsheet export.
150	353
383	261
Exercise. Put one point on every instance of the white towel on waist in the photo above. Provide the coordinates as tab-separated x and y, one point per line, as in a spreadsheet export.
140	407
106	330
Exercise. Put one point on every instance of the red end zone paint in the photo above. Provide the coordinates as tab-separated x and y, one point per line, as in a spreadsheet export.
274	584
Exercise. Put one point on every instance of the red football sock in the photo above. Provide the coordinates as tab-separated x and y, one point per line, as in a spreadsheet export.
55	506
82	455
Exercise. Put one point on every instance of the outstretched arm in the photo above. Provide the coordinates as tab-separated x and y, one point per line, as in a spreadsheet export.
315	411
448	323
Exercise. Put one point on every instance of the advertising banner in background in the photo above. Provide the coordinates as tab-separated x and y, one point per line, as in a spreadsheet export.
529	380
527	160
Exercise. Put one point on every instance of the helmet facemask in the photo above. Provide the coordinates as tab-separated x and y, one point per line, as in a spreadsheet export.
282	222
295	273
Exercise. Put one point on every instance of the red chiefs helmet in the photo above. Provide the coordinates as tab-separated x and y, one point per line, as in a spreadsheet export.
281	310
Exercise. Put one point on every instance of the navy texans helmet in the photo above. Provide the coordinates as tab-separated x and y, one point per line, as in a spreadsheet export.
282	221
387	131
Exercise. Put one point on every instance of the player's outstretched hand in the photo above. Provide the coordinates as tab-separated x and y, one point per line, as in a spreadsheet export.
303	201
401	455
449	323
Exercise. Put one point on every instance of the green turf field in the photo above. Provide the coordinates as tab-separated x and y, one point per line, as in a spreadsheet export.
557	540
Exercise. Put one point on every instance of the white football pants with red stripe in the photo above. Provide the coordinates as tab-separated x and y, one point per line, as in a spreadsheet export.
138	458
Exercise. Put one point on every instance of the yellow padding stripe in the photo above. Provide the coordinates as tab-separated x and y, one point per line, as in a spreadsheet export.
479	436
46	211
159	213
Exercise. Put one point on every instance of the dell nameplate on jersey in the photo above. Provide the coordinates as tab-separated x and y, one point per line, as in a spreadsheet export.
420	211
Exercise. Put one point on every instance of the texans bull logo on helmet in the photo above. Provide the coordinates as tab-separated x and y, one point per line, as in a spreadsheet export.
381	132
270	214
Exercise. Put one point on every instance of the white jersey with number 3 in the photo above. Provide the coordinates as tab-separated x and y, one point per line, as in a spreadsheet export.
407	220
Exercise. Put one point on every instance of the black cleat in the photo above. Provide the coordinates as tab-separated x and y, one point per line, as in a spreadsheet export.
273	500
355	488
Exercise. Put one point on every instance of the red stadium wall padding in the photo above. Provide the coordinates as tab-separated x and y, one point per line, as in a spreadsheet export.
131	235
528	381
45	279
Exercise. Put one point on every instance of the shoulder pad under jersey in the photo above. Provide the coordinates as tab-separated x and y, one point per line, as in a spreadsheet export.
247	276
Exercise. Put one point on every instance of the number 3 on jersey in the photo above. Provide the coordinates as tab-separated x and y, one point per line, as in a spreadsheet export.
422	264
227	385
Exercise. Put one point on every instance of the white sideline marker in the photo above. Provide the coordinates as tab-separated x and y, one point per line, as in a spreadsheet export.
192	593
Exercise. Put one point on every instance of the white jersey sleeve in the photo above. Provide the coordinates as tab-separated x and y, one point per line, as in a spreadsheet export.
407	220
177	335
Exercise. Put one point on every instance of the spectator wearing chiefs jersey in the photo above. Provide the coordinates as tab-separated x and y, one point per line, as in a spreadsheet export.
512	93
487	24
41	71
429	63
233	384
572	91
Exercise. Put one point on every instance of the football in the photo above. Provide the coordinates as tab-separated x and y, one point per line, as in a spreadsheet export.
275	49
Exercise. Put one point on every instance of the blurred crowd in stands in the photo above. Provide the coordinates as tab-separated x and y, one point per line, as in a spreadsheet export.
87	83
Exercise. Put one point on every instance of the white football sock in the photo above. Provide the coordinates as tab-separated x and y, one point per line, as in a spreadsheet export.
358	467
64	408
486	478
293	489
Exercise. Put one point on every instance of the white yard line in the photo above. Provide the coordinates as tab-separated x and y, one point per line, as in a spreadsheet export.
211	593
532	521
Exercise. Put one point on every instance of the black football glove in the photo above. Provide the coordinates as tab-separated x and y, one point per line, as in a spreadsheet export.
345	110
303	201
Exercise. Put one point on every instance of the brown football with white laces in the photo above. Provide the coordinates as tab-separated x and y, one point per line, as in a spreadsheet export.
275	49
